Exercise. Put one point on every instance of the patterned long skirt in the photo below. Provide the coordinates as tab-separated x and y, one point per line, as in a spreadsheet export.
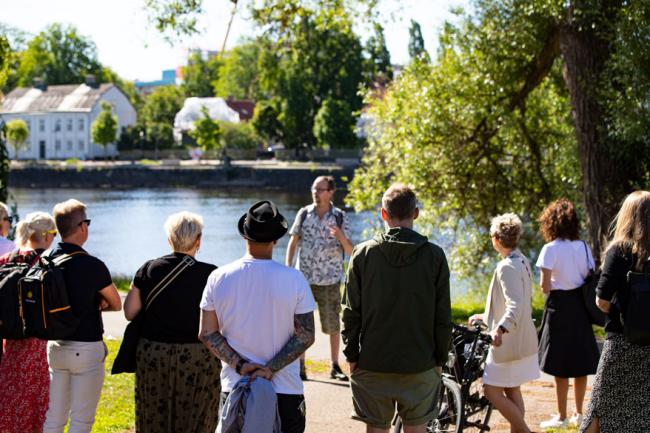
24	386
177	388
621	390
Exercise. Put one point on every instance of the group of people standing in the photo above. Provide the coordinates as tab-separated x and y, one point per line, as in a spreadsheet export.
255	320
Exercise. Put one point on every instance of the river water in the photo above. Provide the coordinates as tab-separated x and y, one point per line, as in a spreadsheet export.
127	225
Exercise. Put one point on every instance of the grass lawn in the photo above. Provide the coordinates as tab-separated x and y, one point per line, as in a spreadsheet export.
116	411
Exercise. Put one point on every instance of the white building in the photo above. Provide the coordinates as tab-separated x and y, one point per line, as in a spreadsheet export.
60	118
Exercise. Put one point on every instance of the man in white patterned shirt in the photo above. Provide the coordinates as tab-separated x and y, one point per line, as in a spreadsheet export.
322	233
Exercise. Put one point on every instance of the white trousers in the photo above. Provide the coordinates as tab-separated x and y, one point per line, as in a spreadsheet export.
76	380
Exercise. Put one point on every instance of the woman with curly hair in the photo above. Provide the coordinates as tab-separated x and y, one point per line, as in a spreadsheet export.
567	346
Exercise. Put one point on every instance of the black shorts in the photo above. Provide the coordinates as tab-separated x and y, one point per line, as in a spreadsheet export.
291	408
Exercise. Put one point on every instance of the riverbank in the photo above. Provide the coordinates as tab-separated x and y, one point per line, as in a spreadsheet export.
280	175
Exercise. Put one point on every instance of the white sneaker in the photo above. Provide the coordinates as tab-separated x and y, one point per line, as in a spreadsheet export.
575	420
554	422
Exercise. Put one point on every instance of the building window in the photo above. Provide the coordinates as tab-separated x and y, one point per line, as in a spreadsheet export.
69	124
81	145
81	124
70	145
57	145
57	125
41	125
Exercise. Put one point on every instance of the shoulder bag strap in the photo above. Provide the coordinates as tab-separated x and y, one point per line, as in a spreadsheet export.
167	280
587	256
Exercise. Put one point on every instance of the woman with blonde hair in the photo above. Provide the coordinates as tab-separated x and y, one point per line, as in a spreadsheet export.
24	375
512	360
175	373
567	346
619	399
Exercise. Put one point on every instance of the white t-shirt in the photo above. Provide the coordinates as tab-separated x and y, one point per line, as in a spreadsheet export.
255	301
568	262
6	246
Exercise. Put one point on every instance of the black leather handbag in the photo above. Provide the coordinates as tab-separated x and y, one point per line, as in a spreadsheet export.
588	288
125	360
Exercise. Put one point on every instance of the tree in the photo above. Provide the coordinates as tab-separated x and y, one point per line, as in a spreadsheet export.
158	114
104	128
238	76
4	163
265	120
17	134
5	56
527	101
199	74
206	132
334	125
60	55
416	41
379	67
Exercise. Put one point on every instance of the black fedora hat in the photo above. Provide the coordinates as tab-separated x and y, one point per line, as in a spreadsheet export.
263	223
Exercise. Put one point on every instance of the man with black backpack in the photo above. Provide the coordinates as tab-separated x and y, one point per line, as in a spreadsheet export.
322	232
77	363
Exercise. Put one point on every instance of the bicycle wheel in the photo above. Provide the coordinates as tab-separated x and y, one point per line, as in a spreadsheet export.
477	410
450	409
449	418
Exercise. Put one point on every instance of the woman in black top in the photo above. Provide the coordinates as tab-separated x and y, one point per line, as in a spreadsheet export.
619	401
177	379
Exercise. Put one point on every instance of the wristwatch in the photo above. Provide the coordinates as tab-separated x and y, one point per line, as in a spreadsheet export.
239	365
503	329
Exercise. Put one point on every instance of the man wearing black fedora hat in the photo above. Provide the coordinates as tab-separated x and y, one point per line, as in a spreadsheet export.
257	315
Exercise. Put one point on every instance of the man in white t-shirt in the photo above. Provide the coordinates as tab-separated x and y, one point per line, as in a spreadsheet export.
257	315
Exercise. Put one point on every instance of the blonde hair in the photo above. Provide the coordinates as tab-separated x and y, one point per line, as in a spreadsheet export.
183	229
4	210
631	227
34	227
68	215
507	229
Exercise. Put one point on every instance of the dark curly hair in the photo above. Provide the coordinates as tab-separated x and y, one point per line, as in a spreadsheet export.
559	220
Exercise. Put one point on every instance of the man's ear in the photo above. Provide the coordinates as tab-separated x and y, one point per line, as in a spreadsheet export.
384	215
416	213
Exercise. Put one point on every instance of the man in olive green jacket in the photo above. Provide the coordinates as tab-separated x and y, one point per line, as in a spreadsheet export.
396	320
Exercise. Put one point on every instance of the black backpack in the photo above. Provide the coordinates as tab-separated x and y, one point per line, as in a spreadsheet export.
12	326
636	326
47	312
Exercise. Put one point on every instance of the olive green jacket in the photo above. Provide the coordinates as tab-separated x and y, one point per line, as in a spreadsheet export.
396	306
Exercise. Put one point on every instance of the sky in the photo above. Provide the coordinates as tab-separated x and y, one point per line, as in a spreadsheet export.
127	43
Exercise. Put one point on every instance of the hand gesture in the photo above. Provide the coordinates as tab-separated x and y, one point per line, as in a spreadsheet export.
249	368
497	337
336	231
473	318
264	372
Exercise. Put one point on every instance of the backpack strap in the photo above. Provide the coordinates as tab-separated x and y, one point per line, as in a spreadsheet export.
167	280
338	215
65	257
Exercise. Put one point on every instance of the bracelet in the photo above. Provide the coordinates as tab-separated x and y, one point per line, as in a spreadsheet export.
239	365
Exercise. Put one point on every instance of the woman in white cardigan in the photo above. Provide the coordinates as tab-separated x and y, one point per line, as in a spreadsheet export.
512	360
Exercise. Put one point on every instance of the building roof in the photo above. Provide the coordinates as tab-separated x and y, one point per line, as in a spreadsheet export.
67	97
244	107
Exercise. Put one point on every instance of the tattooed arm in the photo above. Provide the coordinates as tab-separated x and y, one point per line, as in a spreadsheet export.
217	343
302	338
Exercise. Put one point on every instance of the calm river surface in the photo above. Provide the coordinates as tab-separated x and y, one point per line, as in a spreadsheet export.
127	226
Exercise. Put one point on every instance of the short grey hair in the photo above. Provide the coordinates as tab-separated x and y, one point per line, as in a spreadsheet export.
183	229
4	210
507	229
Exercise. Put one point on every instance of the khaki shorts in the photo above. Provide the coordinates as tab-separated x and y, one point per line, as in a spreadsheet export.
375	396
328	299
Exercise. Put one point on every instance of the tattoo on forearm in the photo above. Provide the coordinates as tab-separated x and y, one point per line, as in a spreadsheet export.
297	344
218	345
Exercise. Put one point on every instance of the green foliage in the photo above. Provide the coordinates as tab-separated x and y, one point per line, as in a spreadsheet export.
126	86
240	135
104	128
5	59
60	55
4	163
207	132
265	120
158	113
17	134
239	75
379	66
416	41
334	125
469	147
199	74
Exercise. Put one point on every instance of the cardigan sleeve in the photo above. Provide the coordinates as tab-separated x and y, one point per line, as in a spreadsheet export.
512	286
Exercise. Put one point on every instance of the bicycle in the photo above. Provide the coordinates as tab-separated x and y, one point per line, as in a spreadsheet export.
462	406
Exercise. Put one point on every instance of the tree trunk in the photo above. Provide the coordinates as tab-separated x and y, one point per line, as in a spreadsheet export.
586	52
